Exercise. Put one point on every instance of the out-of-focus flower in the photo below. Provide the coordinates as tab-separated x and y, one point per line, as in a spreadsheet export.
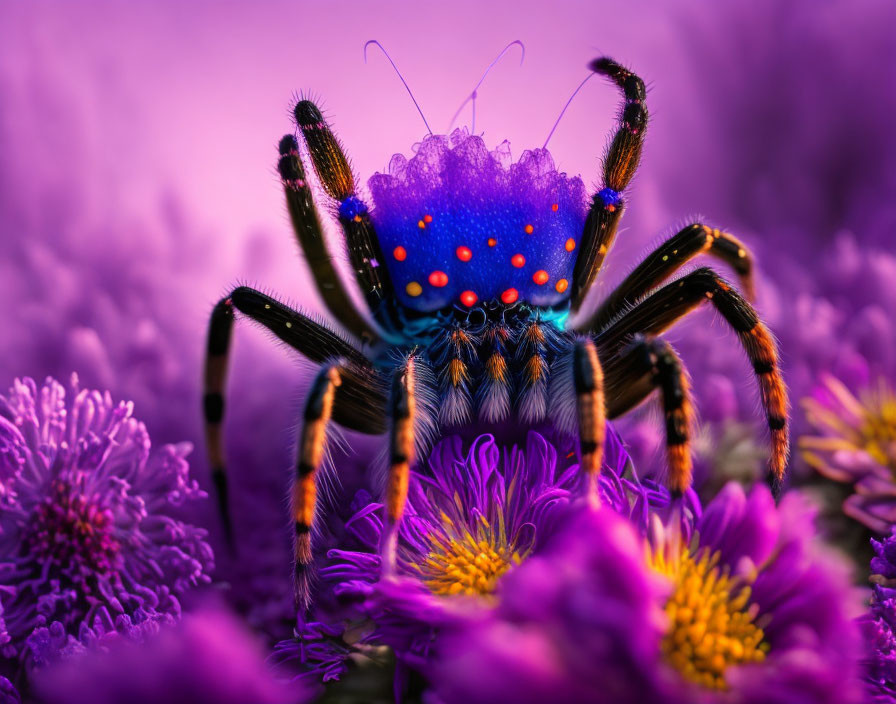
8	693
856	445
754	611
879	624
471	519
89	531
209	657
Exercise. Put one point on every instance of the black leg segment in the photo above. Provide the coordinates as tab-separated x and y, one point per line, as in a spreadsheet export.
620	164
309	232
668	258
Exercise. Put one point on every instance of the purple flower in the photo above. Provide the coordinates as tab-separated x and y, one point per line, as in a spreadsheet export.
88	516
879	624
581	621
208	658
856	445
472	518
750	609
758	607
8	693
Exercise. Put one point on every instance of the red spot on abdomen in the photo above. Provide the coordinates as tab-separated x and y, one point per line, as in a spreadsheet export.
510	296
540	277
438	279
468	298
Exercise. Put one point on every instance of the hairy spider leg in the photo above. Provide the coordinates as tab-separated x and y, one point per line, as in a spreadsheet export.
335	175
454	357
588	381
310	235
493	393
673	301
619	166
360	400
668	258
402	413
535	346
312	450
646	365
216	361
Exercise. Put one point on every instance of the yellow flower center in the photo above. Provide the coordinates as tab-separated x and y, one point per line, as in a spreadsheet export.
710	618
865	423
463	563
878	429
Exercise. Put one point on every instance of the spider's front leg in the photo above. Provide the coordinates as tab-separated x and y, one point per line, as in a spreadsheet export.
620	163
668	258
640	368
412	414
669	304
335	174
577	407
360	399
312	450
310	234
591	413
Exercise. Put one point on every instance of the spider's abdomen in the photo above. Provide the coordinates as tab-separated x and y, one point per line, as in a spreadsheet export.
495	368
459	225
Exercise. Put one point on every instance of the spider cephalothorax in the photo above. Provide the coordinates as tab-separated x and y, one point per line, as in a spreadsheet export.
470	265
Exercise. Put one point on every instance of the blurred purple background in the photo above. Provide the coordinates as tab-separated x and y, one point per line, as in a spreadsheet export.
137	146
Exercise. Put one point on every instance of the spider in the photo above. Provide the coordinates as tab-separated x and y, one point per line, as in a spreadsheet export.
470	270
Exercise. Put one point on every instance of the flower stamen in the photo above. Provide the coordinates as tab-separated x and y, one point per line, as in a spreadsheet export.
711	619
467	564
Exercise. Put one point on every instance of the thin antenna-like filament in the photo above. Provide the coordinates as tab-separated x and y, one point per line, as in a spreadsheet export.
563	111
400	77
472	96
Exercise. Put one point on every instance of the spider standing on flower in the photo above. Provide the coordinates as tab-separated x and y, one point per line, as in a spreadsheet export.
470	266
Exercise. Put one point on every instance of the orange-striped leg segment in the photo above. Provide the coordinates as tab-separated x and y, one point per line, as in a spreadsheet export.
402	409
620	164
588	381
532	354
645	365
668	258
493	395
669	304
312	449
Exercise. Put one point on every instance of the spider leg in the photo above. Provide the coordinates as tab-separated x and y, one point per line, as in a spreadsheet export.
310	234
620	163
216	359
668	258
669	304
493	394
336	177
360	399
640	368
312	448
402	412
588	382
536	344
